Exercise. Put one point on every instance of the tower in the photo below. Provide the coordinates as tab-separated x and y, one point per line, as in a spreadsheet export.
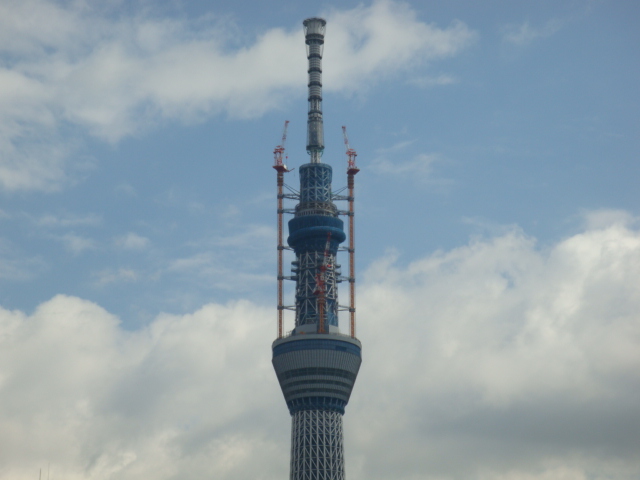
315	363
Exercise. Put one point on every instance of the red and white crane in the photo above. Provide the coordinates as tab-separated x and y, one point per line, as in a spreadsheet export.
351	153
279	151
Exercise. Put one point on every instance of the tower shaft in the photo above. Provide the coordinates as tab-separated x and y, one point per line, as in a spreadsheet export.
316	445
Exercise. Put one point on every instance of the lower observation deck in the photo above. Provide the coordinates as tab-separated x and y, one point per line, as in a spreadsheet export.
317	371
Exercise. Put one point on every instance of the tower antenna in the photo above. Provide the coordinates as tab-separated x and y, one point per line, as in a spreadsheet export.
314	38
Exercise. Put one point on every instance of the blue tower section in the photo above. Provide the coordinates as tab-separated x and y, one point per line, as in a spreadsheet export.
316	364
316	220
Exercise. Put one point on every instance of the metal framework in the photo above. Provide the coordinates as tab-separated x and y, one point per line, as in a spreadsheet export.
305	270
317	452
315	190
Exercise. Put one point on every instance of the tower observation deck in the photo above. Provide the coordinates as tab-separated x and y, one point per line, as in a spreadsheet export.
315	363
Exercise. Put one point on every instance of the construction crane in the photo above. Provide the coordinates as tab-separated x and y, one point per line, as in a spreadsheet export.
351	153
279	151
321	285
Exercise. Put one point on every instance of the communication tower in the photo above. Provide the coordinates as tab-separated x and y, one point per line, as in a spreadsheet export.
316	363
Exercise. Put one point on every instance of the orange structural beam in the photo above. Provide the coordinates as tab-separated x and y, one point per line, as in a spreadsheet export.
352	250
280	249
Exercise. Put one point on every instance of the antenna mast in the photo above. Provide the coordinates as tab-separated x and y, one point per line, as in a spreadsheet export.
314	38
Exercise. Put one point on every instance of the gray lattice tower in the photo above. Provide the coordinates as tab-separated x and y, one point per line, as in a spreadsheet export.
316	365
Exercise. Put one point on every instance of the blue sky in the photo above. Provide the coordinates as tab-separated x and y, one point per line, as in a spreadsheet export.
498	241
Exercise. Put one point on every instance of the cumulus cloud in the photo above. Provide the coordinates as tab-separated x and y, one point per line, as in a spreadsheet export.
75	68
501	360
389	38
176	398
497	360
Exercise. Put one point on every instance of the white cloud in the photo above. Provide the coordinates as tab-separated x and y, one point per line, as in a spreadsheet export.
392	163
32	160
109	275
250	236
230	272
194	262
512	355
69	220
420	166
525	34
369	43
433	81
131	241
15	266
125	189
76	243
229	262
496	360
99	402
605	217
397	147
75	66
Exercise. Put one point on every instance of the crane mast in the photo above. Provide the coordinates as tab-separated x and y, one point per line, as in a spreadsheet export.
352	169
281	168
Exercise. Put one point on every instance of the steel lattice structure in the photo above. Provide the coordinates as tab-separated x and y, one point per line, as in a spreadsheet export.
304	269
316	445
316	364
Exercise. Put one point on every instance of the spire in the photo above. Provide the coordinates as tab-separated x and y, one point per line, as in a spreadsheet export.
314	38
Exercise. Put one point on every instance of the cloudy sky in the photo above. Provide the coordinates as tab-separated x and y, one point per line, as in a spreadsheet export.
498	235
